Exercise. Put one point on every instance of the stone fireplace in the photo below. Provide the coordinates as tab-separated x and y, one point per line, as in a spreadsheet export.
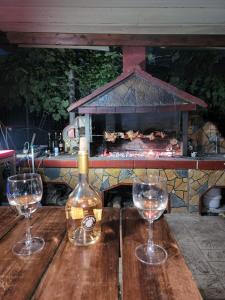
129	123
137	115
186	185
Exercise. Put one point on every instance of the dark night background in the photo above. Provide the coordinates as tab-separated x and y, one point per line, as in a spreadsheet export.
35	87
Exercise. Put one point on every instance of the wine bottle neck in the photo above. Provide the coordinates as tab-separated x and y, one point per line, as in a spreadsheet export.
83	164
83	178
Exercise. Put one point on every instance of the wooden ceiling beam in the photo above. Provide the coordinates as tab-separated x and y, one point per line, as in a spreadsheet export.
70	39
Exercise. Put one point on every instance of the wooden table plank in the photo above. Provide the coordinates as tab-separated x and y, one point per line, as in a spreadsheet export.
170	281
20	276
8	219
85	272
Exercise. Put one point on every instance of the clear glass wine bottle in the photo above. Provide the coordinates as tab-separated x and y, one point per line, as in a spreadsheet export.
84	205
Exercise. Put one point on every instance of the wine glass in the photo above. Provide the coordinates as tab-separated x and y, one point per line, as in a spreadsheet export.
24	192
150	197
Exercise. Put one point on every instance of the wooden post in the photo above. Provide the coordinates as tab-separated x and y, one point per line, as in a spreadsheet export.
185	131
88	131
71	94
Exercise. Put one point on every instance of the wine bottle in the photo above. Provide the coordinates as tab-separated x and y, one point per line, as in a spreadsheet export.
84	205
56	145
61	144
49	147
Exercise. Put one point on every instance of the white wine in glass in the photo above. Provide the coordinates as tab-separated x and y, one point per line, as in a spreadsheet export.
150	197
24	191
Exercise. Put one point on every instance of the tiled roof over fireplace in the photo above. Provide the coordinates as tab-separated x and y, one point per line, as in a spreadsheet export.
135	90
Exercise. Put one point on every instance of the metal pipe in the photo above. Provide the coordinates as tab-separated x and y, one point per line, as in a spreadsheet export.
32	158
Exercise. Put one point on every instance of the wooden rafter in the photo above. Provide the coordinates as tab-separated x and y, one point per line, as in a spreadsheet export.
70	39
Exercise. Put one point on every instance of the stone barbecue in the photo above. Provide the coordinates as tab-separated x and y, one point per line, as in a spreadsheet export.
136	115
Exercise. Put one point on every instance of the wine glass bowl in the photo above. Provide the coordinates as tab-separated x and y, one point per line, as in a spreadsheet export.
24	192
150	197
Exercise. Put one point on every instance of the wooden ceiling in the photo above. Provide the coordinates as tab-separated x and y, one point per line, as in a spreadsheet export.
114	22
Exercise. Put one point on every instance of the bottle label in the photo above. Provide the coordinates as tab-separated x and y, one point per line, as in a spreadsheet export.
88	223
83	163
98	214
75	213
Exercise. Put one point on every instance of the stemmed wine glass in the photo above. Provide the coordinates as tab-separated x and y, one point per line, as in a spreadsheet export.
24	191
150	197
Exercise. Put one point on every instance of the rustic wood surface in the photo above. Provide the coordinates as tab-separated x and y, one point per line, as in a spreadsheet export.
8	219
59	271
171	281
85	272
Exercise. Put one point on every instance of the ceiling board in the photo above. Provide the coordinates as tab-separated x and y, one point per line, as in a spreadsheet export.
113	3
185	17
114	16
54	27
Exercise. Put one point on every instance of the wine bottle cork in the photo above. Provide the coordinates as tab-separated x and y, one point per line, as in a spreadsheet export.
83	144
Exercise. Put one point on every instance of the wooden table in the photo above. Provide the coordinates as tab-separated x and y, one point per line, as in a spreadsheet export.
60	270
171	281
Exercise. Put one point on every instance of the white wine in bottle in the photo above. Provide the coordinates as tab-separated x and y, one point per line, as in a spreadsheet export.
84	206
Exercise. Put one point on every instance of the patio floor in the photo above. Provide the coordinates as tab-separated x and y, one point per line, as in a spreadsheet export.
202	240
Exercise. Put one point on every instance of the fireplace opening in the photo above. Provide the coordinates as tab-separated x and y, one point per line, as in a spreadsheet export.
120	196
212	202
55	193
157	134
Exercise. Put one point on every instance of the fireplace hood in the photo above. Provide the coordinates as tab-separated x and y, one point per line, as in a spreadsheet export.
136	91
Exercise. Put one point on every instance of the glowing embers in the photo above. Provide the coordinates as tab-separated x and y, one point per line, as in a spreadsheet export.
141	154
143	147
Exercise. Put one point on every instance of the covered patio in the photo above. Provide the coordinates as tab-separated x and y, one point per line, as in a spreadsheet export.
194	242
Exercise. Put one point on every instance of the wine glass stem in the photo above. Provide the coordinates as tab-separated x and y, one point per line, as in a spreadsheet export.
28	231
150	247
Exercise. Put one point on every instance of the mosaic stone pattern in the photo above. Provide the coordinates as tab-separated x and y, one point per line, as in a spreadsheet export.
201	240
185	186
104	179
200	182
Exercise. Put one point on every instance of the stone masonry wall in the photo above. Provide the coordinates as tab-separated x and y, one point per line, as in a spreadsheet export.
185	186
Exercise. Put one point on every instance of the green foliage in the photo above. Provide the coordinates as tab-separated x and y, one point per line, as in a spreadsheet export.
97	69
38	78
199	72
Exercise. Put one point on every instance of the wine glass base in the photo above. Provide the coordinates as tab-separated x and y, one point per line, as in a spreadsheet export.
157	257
22	249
